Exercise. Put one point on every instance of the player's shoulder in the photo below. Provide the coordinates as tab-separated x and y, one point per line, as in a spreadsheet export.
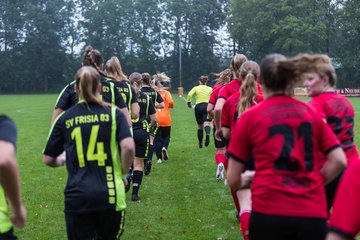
6	121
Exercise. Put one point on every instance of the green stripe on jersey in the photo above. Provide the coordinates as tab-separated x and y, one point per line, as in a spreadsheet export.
5	223
62	91
119	184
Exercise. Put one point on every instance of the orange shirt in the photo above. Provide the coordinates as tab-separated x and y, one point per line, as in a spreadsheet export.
163	115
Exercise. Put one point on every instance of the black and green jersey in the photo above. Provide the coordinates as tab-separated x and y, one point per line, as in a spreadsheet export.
8	133
153	94
126	91
68	97
146	108
90	135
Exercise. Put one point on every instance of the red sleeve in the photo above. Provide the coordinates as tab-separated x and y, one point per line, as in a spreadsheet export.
260	94
240	146
225	115
316	104
214	95
223	93
328	139
345	217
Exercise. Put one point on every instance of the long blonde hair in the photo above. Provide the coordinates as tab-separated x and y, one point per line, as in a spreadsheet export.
223	77
158	80
236	63
113	69
87	85
287	72
249	71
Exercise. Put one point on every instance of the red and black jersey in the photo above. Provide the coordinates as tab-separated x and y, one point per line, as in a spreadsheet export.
8	131
345	217
90	135
229	113
285	137
68	97
146	108
153	94
339	114
215	92
229	89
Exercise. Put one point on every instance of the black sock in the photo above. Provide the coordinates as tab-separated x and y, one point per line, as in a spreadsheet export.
137	179
150	152
207	130
200	135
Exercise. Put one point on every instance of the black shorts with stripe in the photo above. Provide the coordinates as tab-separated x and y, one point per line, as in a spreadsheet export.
95	225
142	141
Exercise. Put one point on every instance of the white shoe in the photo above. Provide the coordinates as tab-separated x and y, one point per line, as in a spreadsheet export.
159	161
220	172
164	153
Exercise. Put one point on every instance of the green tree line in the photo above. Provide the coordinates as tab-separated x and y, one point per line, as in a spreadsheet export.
41	41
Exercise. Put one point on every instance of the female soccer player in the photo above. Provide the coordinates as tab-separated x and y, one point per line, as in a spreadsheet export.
202	95
335	110
68	97
94	134
115	75
285	136
10	183
158	102
223	78
234	106
162	138
232	87
345	217
141	130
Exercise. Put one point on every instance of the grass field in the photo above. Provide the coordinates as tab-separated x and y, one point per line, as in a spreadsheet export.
180	199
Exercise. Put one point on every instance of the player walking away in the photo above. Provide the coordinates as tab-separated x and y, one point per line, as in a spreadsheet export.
94	134
68	97
115	75
202	94
233	108
162	138
12	210
223	78
158	102
232	87
345	218
335	110
141	130
285	136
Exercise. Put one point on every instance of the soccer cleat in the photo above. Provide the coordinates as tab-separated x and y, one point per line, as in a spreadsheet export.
147	167
200	145
159	161
135	198
207	140
164	154
220	172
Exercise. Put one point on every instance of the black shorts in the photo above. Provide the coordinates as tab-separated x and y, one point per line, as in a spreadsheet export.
219	144
142	141
98	225
264	227
9	235
330	190
201	113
